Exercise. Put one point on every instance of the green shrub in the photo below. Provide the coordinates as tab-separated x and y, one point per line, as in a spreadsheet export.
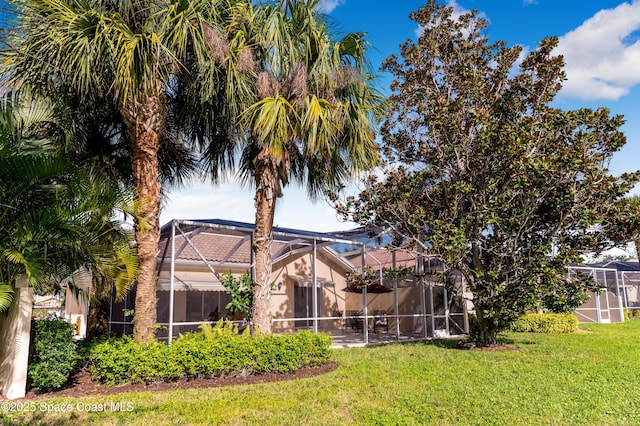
546	323
121	360
241	291
636	313
54	354
212	352
316	348
628	313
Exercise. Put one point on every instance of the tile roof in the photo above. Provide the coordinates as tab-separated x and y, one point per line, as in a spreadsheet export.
215	247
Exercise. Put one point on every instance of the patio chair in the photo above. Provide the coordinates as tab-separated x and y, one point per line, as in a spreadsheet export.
380	320
352	321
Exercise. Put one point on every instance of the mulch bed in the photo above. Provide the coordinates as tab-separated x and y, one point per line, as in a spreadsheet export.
81	384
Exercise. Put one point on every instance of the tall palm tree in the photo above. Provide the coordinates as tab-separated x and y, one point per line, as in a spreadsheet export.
310	120
132	53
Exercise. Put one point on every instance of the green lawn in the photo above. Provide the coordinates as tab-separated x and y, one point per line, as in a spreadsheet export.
591	377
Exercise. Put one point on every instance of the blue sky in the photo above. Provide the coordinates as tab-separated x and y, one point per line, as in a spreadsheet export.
600	40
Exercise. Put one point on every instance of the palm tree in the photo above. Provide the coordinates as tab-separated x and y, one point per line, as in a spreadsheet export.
29	184
310	120
55	216
131	53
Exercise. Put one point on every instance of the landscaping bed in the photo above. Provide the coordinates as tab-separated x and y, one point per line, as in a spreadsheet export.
82	385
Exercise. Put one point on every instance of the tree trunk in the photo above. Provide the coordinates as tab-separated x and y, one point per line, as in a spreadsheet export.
145	119
98	316
265	204
487	330
637	244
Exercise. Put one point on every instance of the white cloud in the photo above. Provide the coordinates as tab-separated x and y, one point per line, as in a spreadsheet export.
327	6
458	10
207	201
602	56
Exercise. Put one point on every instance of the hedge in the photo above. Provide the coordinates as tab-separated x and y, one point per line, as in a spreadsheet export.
546	323
53	355
212	352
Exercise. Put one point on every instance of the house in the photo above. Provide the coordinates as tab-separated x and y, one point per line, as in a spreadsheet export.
73	306
310	285
47	305
314	287
620	284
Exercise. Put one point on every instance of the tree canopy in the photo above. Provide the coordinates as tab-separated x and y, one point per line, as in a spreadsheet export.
486	174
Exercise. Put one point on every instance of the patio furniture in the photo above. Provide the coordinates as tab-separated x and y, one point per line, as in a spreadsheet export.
380	320
353	321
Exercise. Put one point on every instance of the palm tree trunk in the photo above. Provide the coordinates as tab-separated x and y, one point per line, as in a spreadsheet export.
265	204
637	244
98	316
145	119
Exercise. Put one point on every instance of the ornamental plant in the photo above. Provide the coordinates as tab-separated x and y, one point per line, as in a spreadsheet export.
54	353
241	291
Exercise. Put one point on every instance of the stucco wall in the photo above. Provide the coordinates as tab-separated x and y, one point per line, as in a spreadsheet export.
293	280
15	333
293	271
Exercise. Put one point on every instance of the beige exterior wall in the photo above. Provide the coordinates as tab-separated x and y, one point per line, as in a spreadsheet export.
291	299
293	278
76	310
294	272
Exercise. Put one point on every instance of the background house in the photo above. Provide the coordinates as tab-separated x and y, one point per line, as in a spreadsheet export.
620	284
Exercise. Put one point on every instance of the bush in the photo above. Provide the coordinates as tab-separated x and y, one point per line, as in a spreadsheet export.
546	323
54	353
636	313
121	360
213	352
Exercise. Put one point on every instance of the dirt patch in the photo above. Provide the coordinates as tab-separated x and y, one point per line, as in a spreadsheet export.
81	384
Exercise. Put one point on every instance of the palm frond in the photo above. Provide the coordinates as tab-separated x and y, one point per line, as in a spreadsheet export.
6	297
320	127
273	123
